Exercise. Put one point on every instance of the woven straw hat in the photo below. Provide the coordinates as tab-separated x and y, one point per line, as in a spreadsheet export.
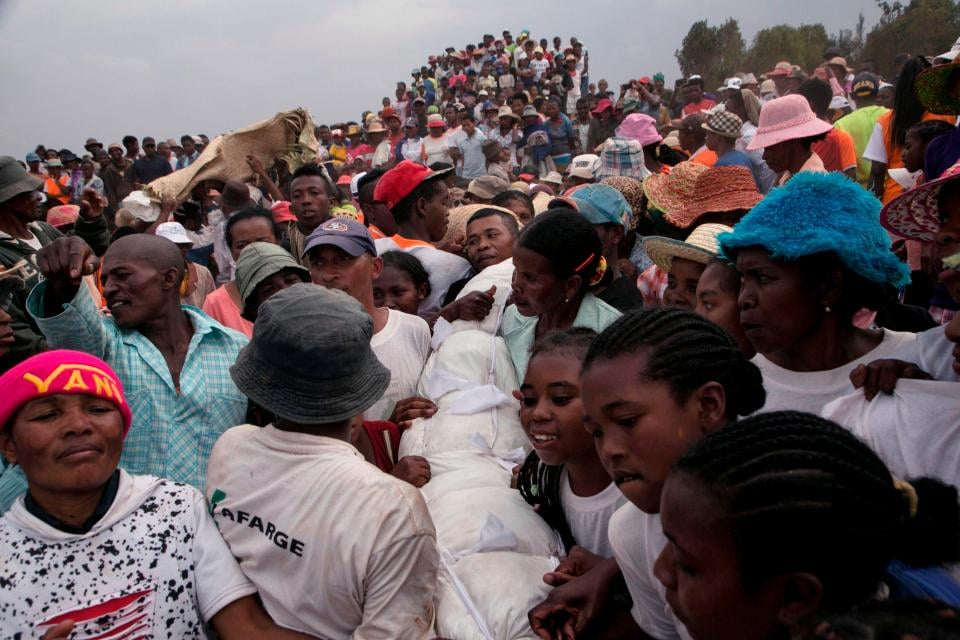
933	89
717	190
667	192
700	246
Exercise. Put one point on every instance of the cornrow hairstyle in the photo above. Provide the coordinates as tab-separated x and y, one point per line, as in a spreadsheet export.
802	494
568	241
408	263
539	483
686	351
249	214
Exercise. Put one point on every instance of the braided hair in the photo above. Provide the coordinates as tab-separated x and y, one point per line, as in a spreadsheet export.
686	351
539	483
802	494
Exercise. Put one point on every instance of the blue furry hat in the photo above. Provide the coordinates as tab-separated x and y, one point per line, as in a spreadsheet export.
816	213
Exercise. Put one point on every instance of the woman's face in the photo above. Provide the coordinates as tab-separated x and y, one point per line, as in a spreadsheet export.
700	571
65	443
912	154
638	426
778	307
395	289
551	411
519	207
682	282
536	288
717	302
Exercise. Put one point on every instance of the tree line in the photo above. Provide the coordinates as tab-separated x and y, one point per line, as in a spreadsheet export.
919	27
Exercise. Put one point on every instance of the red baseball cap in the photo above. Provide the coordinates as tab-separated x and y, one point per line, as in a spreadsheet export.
644	79
343	180
389	112
602	105
399	182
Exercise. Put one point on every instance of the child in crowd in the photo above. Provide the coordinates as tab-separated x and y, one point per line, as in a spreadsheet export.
653	383
403	283
563	476
717	293
786	516
916	141
684	262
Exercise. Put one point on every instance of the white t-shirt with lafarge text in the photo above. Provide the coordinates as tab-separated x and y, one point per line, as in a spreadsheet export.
154	565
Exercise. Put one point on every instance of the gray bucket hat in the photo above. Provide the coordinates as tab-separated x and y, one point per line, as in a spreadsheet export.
257	262
310	359
14	179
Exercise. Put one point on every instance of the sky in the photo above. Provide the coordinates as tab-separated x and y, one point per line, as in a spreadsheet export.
109	68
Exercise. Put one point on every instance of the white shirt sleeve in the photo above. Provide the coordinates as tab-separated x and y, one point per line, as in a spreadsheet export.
876	150
219	578
400	584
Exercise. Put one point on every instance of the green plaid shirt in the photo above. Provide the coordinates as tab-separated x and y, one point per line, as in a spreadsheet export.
172	433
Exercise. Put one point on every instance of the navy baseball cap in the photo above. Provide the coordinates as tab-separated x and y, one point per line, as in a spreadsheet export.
344	233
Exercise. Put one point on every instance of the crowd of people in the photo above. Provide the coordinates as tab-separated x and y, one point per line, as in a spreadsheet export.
702	341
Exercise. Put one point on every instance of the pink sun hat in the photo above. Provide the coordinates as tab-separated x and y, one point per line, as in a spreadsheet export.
640	127
786	118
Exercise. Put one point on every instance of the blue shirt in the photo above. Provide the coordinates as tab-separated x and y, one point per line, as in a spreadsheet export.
733	157
519	331
173	431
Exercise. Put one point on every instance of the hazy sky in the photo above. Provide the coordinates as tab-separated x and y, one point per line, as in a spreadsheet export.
164	68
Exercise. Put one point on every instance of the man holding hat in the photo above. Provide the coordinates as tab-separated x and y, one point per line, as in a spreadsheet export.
335	547
861	122
610	214
22	235
418	198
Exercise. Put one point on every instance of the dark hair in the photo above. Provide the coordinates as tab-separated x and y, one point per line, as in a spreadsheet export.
947	191
686	351
539	483
502	199
408	263
818	93
731	277
696	81
568	241
927	130
803	494
884	619
509	220
857	292
311	169
128	139
466	115
521	96
186	137
370	176
403	210
249	214
907	110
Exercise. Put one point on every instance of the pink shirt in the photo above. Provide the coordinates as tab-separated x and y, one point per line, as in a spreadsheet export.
221	307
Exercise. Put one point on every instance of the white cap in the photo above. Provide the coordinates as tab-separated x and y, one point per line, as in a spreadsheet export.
732	83
584	166
954	51
355	184
553	177
174	232
839	102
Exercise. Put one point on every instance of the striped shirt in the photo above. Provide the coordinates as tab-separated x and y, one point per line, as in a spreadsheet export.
172	432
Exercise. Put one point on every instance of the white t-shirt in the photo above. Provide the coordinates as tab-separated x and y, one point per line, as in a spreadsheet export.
876	149
402	346
337	548
810	390
589	517
539	68
156	553
443	267
437	150
637	540
915	431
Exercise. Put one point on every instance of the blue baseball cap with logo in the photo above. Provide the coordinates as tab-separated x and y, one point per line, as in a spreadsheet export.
344	233
602	204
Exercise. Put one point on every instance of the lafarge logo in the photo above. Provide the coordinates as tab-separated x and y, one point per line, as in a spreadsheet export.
278	537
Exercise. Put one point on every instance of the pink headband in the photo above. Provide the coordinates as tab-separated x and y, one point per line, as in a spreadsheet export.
57	372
